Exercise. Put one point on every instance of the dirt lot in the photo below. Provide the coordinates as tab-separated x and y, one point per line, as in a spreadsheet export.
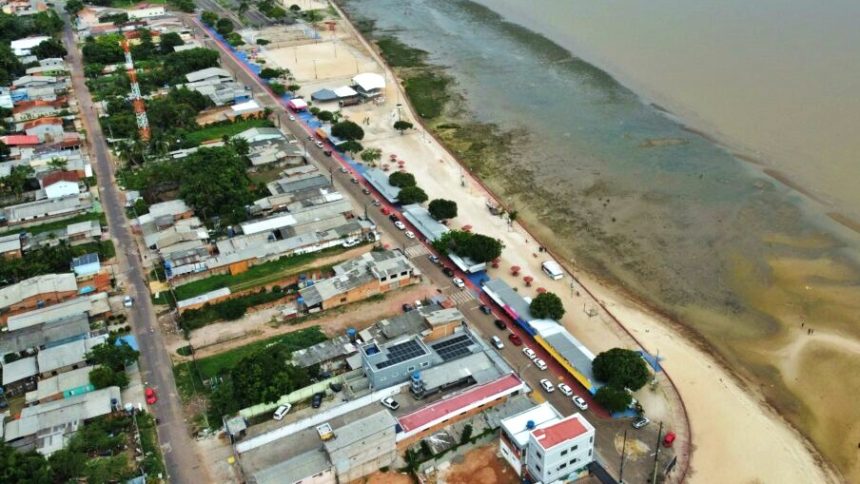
479	466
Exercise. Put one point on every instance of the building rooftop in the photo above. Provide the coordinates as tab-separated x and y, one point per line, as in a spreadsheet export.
295	469
10	243
19	370
93	305
204	74
418	216
379	180
75	382
555	433
326	351
356	432
381	356
57	357
47	283
54	332
203	298
49	207
511	301
354	273
171	207
519	426
369	81
566	345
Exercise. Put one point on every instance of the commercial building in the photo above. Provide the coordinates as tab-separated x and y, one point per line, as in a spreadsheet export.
378	179
421	219
69	356
516	430
369	84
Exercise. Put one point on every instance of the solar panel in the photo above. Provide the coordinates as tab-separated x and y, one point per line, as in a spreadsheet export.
454	348
401	352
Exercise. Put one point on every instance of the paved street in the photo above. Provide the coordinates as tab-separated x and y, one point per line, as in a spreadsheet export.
181	461
641	443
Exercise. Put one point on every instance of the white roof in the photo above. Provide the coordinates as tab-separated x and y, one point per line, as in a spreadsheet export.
369	81
170	207
517	425
203	298
57	357
274	223
246	106
345	91
207	73
297	103
37	285
93	305
19	369
27	42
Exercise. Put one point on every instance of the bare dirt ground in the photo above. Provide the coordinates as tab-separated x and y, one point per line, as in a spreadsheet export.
390	477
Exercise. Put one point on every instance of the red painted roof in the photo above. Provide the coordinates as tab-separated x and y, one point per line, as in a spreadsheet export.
443	408
552	435
57	176
41	121
20	140
27	105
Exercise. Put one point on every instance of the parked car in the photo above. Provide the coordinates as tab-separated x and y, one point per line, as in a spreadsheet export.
376	203
327	152
128	301
500	324
433	259
385	211
282	411
407	308
292	118
354	180
515	339
486	309
343	169
393	217
316	401
365	191
409	234
580	402
530	353
640	422
459	283
319	143
564	389
400	225
390	403
335	387
540	364
448	271
547	385
497	342
151	396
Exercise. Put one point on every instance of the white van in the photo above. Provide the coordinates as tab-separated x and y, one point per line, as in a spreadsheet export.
497	342
282	411
553	269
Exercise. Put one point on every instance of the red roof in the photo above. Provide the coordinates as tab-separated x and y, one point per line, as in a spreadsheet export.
567	429
57	176
446	407
20	140
41	121
27	105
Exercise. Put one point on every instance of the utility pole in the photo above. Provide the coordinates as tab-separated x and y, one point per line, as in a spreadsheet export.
623	451
657	453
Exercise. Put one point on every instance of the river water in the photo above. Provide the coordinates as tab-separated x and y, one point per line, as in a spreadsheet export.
634	196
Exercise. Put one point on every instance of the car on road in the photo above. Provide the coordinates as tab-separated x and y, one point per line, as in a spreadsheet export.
564	389
500	324
540	364
150	395
433	259
327	152
343	169
497	342
385	211
409	234
547	385
393	217
318	143
486	309
282	411
128	301
459	282
390	403
580	402
407	308
515	339
292	118
316	400
640	422
354	180
448	271
365	191
400	225
530	353
376	203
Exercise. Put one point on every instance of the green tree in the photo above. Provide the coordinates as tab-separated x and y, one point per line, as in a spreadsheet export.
103	377
104	49
442	209
371	155
50	48
410	195
67	465
277	88
293	88
4	150
621	368
402	179
325	116
466	435
224	26
209	18
269	73
547	306
351	146
295	8
74	6
402	126
243	7
481	248
57	163
613	399
168	40
348	130
10	66
114	354
15	183
23	467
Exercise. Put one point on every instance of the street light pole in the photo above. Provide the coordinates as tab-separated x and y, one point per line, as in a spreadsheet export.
621	467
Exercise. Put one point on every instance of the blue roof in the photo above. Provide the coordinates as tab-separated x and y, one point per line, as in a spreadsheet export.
91	258
130	339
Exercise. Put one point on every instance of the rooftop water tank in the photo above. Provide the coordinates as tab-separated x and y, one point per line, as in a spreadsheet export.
530	424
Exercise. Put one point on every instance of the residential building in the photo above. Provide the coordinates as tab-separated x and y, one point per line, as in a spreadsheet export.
95	306
31	213
367	275
516	431
36	292
19	375
10	246
176	209
86	265
47	129
218	85
560	450
27	110
51	333
69	356
69	384
59	184
22	47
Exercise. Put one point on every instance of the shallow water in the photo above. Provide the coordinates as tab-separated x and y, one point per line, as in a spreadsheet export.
634	196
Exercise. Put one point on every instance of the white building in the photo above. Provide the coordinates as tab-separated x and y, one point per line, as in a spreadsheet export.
560	450
22	47
147	12
516	429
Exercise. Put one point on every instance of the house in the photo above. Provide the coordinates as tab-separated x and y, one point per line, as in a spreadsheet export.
22	47
83	232
218	85
19	374
69	384
50	333
10	247
19	140
92	306
47	129
175	209
36	292
145	11
27	110
28	81
258	134
86	265
560	450
357	279
516	430
209	74
70	356
369	85
52	66
51	208
59	184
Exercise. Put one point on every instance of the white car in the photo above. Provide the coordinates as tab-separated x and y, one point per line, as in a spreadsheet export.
565	390
530	354
458	282
540	364
319	144
390	403
580	402
127	301
409	234
292	118
282	411
400	225
547	385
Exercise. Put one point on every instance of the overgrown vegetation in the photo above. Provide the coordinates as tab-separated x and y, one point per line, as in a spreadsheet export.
229	310
112	357
477	247
51	259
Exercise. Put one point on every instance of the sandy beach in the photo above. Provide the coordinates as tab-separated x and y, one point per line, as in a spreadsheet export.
734	433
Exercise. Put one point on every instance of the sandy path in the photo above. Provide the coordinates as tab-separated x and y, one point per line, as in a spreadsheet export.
735	433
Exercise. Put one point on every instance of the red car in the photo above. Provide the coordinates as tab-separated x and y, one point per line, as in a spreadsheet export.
515	339
385	210
150	395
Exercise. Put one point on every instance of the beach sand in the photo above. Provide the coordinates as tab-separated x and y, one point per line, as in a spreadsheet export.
736	436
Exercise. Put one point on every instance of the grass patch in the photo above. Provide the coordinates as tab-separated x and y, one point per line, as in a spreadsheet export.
255	276
153	463
229	310
58	224
398	54
188	381
218	131
217	364
428	92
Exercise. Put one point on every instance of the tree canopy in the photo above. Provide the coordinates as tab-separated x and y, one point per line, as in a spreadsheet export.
351	146
613	399
621	368
371	155
477	247
104	49
209	18
224	26
74	6
402	126
50	48
348	130
547	305
168	40
402	179
113	353
412	194
442	209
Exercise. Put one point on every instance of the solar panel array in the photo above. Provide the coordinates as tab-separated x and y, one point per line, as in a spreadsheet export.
454	348
401	352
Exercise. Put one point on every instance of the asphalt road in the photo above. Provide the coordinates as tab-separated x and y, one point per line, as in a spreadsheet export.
156	367
609	431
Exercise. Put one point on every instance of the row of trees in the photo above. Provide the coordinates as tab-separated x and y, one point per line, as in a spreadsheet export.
410	192
478	247
49	260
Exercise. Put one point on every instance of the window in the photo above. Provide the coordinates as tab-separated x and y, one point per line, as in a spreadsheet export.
403	273
591	439
383	278
538	455
589	452
343	299
564	452
574	448
538	468
573	460
425	363
410	369
562	466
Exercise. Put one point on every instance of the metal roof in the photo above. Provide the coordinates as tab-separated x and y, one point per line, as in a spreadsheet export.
379	180
19	370
51	359
55	331
357	432
295	469
420	217
47	283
